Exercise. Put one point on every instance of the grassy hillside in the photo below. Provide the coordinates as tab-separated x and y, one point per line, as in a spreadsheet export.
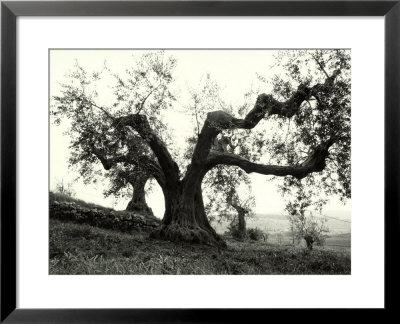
83	249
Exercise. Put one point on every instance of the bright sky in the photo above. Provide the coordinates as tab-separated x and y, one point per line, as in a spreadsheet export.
235	70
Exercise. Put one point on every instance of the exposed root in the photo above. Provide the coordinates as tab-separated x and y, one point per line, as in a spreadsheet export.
195	235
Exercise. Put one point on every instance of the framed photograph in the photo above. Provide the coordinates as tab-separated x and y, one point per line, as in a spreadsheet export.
193	161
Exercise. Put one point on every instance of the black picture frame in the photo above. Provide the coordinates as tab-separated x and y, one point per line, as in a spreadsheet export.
10	10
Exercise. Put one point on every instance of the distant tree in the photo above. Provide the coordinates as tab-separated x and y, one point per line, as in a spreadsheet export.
314	94
243	209
228	189
130	183
311	229
305	226
229	198
266	234
65	188
292	232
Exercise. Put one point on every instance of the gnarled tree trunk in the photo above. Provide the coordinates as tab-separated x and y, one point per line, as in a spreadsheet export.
185	218
138	202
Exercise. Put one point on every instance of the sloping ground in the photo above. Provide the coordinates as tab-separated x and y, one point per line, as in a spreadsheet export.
83	249
59	197
74	211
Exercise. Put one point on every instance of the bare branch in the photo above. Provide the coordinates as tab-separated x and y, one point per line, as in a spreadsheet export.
320	65
144	100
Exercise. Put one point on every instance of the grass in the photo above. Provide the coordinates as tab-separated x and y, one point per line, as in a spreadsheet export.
82	249
339	242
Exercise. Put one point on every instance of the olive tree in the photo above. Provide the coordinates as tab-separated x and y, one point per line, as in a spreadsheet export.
316	99
127	182
143	88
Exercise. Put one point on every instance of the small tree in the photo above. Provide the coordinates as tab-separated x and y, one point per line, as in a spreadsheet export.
65	188
129	182
292	232
266	234
304	226
228	188
229	197
309	228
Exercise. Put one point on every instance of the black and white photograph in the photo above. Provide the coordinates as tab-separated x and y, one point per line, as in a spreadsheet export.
200	161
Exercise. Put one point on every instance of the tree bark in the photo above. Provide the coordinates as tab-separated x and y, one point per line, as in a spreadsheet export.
309	241
241	219
138	202
241	225
185	219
